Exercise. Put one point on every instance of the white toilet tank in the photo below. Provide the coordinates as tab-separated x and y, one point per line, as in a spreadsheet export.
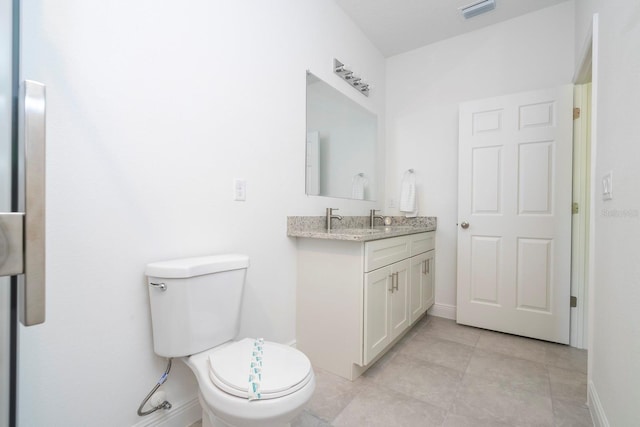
195	302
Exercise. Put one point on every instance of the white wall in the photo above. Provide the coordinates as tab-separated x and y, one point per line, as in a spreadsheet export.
614	346
424	88
153	109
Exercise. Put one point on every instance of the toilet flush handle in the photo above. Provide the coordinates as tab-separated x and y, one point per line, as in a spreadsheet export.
160	286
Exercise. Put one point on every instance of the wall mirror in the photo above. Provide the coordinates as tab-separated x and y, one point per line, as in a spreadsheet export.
341	144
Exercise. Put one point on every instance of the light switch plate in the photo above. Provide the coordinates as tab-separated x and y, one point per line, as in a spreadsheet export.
607	186
240	190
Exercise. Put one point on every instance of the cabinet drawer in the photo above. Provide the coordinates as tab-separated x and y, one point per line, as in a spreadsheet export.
386	251
422	242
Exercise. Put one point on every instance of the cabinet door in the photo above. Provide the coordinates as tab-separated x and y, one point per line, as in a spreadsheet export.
418	279
429	285
377	295
400	315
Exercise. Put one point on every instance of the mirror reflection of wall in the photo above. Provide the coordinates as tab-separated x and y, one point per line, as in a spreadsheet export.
341	144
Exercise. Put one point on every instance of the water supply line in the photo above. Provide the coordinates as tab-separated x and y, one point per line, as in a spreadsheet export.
163	405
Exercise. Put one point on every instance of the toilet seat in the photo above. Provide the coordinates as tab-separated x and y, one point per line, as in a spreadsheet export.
285	370
241	412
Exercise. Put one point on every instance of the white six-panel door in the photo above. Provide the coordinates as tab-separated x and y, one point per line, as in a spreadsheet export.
514	198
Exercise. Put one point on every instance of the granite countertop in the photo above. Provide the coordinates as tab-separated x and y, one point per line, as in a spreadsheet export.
354	229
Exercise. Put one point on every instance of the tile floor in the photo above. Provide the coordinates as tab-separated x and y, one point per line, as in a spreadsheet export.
444	374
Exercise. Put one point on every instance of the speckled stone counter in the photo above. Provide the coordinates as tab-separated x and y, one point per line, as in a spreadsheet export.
356	228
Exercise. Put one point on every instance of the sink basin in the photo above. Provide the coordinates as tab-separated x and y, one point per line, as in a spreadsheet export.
358	231
393	228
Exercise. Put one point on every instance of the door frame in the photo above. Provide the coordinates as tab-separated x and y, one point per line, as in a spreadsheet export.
583	244
580	218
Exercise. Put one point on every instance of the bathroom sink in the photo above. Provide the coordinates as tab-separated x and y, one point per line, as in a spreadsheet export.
395	228
358	231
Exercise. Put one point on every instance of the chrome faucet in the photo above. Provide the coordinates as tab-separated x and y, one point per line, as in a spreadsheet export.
373	217
331	216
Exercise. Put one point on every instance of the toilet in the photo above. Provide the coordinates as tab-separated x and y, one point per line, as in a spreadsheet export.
195	314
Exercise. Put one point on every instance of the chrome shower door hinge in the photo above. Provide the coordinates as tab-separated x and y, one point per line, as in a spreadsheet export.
11	243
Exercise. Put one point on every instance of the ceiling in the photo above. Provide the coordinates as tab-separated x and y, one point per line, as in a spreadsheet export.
397	26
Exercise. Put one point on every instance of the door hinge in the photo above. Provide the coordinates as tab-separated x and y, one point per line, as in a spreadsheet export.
574	302
575	208
576	113
11	243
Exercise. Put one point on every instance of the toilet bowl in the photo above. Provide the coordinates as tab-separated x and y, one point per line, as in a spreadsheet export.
288	385
195	315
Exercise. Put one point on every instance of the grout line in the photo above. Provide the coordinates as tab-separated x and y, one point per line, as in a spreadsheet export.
553	412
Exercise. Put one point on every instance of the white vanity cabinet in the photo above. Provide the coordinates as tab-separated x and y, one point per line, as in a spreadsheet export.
356	299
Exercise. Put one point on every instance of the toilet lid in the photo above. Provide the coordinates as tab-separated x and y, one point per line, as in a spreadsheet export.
285	369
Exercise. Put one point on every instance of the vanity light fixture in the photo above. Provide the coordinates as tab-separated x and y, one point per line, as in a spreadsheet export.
348	76
477	8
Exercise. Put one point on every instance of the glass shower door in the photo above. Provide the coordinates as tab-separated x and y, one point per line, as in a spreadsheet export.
22	204
7	137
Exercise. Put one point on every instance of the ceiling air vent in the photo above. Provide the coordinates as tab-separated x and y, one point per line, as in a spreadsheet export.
476	8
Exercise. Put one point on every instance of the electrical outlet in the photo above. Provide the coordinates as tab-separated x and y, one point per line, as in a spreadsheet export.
392	202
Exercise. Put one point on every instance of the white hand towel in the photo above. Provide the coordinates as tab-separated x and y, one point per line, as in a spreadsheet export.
413	213
357	187
408	199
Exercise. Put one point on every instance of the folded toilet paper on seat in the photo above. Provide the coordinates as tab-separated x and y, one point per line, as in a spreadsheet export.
255	370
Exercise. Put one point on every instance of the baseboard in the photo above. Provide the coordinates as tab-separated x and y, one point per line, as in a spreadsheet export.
595	407
180	415
443	310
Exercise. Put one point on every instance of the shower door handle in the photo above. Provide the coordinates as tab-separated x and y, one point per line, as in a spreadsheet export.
32	141
22	234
